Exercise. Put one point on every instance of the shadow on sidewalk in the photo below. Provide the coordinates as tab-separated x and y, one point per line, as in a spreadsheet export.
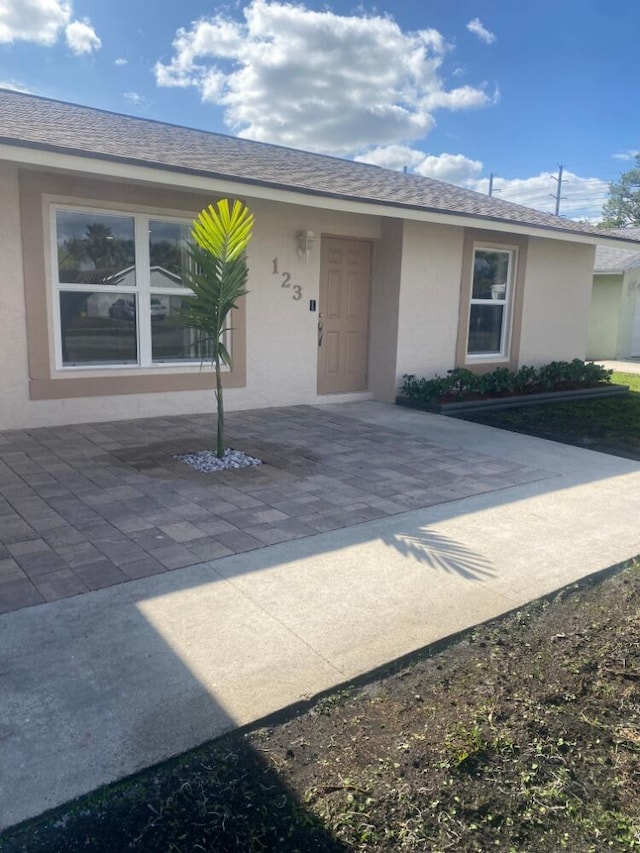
89	697
442	553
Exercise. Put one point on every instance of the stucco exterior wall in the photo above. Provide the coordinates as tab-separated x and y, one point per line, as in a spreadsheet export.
557	294
14	375
629	318
414	306
280	333
385	297
615	311
604	316
429	299
282	337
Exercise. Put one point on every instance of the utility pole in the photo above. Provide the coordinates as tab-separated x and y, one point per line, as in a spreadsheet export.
558	195
491	177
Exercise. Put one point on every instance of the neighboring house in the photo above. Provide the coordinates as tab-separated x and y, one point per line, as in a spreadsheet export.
358	274
614	319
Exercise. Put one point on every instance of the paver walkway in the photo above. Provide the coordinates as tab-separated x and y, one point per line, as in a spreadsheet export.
89	506
97	686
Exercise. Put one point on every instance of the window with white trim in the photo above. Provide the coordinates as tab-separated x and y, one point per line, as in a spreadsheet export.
118	282
490	303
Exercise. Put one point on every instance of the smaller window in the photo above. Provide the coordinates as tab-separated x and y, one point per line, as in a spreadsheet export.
490	304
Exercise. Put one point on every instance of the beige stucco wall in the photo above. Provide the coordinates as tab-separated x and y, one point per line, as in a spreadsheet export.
414	311
429	299
557	294
14	385
385	297
281	332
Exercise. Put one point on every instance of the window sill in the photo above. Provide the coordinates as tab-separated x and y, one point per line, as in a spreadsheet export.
489	358
123	382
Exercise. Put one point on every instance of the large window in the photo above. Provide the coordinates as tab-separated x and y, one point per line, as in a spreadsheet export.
490	304
118	282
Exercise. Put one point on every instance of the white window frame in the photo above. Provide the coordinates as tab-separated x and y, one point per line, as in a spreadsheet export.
142	289
506	302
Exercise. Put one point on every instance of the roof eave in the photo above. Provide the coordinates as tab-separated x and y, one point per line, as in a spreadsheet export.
454	217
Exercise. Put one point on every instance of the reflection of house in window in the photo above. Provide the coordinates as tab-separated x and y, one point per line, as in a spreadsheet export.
161	277
104	304
114	310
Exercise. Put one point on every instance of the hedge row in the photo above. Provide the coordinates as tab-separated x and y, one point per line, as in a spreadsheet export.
462	384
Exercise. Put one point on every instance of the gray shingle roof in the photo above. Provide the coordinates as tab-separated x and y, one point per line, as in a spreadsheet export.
618	259
31	121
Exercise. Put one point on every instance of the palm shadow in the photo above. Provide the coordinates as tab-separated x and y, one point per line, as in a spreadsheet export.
442	553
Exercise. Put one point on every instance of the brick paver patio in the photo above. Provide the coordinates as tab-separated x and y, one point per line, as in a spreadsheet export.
88	506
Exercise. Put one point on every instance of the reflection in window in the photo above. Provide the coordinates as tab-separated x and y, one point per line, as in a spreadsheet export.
120	290
171	340
490	273
485	329
98	328
490	298
95	248
167	253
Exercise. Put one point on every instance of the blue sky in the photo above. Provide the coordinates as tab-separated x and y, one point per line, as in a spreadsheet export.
452	89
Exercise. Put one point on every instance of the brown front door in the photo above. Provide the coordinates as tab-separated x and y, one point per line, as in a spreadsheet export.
343	318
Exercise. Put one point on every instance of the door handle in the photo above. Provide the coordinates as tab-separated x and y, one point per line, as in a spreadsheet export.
320	332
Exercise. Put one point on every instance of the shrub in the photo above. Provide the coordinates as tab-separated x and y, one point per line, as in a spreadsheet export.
463	384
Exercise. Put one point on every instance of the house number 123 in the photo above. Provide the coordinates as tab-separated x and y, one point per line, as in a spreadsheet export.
286	280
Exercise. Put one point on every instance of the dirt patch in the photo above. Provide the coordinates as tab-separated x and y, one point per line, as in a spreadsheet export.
522	736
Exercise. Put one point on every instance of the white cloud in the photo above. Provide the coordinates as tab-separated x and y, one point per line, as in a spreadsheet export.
317	80
453	168
476	27
82	38
626	155
134	98
120	61
14	86
43	22
463	98
582	198
38	21
395	157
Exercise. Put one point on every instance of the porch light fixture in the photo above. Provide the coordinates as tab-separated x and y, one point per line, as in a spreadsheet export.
305	241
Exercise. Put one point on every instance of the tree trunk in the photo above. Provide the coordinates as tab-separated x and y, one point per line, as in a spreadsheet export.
220	443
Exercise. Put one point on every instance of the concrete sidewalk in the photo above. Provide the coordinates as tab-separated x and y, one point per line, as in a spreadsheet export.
101	685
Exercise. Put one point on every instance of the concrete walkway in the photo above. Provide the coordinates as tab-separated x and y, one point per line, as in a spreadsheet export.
626	365
100	685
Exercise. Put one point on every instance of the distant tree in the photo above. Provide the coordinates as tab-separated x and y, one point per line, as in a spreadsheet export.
622	209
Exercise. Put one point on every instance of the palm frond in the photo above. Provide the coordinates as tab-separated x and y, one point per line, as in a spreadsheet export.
222	231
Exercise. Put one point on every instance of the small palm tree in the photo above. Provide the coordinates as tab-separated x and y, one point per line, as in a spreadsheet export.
217	276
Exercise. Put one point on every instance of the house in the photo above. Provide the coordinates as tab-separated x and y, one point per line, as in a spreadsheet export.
358	274
614	319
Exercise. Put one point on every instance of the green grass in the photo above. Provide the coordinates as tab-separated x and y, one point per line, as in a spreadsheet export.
630	379
608	425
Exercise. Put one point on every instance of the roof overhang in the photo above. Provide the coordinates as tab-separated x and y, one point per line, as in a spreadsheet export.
105	166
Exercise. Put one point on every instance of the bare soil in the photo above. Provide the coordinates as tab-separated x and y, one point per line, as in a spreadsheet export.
523	735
